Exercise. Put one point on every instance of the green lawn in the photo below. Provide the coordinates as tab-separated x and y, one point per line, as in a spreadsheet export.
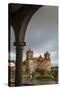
45	78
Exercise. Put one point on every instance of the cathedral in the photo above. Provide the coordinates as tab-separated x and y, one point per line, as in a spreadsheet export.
32	63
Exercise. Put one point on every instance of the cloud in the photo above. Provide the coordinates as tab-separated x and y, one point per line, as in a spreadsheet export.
41	34
43	31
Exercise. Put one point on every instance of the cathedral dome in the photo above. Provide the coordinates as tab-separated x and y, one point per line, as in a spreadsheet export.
47	56
47	53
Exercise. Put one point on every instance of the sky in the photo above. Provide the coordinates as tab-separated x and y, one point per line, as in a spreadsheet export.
41	34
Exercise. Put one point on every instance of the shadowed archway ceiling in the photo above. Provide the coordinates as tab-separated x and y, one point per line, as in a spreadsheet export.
16	7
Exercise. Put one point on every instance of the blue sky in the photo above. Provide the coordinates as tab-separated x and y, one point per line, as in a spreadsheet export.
42	34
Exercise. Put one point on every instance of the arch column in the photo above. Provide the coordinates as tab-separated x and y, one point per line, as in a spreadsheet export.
19	56
20	18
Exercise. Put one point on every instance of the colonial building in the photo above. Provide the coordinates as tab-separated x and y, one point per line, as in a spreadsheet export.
32	63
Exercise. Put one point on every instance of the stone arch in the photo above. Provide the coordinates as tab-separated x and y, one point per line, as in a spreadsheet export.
25	24
19	19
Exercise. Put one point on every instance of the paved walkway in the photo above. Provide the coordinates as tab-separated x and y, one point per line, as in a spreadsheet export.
38	82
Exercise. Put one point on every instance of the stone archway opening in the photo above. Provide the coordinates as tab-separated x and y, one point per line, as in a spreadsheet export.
12	57
19	17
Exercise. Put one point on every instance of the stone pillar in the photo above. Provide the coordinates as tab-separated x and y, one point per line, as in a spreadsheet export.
19	55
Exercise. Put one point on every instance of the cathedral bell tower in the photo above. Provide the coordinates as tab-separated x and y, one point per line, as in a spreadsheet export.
29	54
47	56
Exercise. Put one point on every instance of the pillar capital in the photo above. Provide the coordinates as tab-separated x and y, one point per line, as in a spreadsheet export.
19	44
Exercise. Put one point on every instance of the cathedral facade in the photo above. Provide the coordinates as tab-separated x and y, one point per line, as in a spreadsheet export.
32	63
